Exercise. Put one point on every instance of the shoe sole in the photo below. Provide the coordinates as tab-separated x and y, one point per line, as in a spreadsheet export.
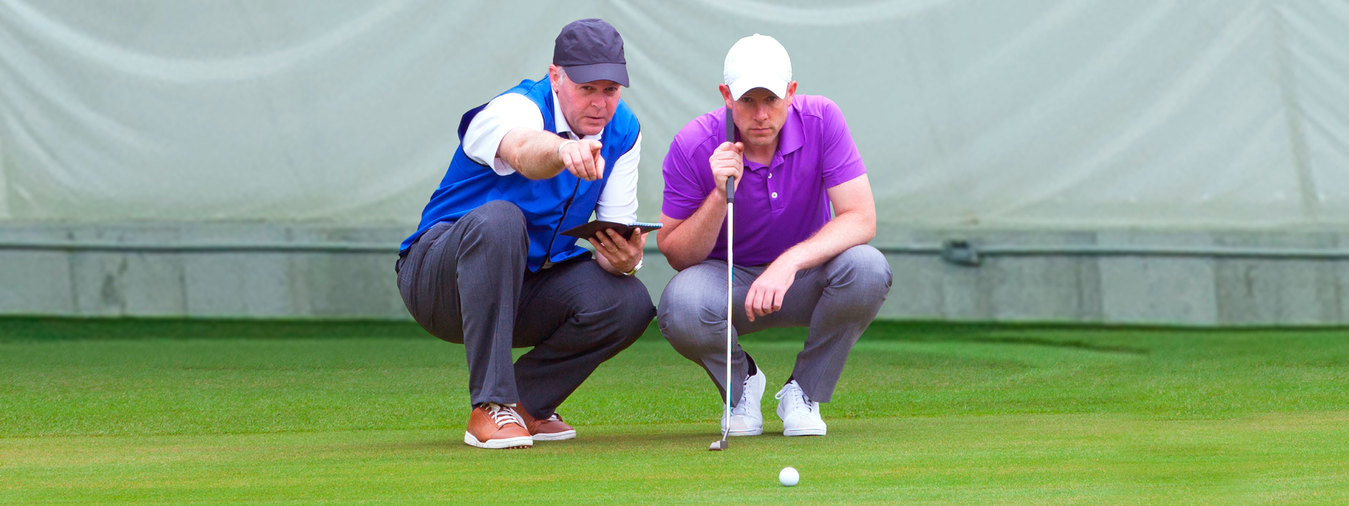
752	431
512	443
804	432
556	436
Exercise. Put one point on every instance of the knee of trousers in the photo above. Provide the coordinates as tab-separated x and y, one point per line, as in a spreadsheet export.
634	310
619	313
860	268
691	316
496	224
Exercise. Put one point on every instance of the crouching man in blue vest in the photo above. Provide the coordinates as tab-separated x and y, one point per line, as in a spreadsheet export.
489	266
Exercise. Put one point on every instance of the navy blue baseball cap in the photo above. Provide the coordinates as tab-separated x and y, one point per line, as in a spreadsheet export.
591	50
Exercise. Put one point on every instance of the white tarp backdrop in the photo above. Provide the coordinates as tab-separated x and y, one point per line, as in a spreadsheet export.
1039	113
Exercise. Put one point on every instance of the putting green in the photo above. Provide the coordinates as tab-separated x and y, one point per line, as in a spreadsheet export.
192	411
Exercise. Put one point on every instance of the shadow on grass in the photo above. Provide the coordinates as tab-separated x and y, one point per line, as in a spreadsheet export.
607	438
1052	343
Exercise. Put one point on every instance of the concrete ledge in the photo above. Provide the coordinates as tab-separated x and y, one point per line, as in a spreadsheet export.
1137	277
1294	277
206	270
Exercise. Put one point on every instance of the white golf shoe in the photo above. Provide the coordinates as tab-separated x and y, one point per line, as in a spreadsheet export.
746	417
800	415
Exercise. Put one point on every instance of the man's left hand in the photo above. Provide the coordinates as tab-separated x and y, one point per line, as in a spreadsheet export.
765	295
621	253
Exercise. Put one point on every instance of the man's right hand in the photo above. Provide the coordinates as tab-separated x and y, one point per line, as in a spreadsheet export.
582	158
727	161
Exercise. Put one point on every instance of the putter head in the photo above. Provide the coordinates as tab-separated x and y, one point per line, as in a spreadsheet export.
717	446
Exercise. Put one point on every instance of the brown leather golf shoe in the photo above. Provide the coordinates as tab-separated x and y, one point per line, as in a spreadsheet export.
548	429
496	427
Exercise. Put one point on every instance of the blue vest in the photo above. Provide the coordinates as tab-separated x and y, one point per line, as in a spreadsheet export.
549	205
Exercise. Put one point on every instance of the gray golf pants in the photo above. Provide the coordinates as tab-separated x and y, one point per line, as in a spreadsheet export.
836	301
466	282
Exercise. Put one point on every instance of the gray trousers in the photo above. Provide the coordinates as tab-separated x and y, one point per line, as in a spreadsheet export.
836	301
466	282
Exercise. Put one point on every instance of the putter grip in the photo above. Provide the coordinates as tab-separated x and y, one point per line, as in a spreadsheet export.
730	126
730	137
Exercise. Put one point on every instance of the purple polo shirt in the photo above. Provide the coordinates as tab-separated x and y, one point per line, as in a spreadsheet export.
776	206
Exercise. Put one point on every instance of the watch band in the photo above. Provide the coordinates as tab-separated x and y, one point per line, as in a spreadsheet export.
635	268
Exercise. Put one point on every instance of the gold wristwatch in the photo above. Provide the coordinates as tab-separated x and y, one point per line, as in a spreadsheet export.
635	268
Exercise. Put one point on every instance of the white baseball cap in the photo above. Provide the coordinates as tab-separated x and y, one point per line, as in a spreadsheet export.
757	61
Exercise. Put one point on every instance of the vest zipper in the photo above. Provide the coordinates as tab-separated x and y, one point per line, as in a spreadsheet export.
548	255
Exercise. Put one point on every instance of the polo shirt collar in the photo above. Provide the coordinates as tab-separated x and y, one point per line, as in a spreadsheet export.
791	137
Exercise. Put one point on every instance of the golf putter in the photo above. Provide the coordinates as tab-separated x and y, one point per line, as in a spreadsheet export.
730	265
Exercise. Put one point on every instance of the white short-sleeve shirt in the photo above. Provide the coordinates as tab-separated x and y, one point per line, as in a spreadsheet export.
618	201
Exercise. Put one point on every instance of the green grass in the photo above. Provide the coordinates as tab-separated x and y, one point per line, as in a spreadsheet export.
175	411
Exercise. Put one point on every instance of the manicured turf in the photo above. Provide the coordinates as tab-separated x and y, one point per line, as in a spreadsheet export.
212	411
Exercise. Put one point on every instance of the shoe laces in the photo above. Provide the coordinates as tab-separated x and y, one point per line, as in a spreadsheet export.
796	397
503	415
741	408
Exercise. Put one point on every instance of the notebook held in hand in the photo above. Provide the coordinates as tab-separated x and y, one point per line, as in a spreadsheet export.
624	229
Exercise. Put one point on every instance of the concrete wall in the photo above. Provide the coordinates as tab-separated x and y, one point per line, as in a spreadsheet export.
1189	278
276	270
199	270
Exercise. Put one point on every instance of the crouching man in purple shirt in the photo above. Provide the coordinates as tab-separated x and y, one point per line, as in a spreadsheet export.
795	264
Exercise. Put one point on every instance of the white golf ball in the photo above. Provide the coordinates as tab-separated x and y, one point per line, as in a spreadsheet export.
788	476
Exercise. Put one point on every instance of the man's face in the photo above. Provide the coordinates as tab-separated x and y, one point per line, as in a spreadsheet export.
587	106
759	114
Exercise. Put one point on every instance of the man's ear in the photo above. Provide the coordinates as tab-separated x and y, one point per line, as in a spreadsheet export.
726	94
554	75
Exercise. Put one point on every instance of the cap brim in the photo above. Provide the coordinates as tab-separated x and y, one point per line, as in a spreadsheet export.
744	84
616	72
